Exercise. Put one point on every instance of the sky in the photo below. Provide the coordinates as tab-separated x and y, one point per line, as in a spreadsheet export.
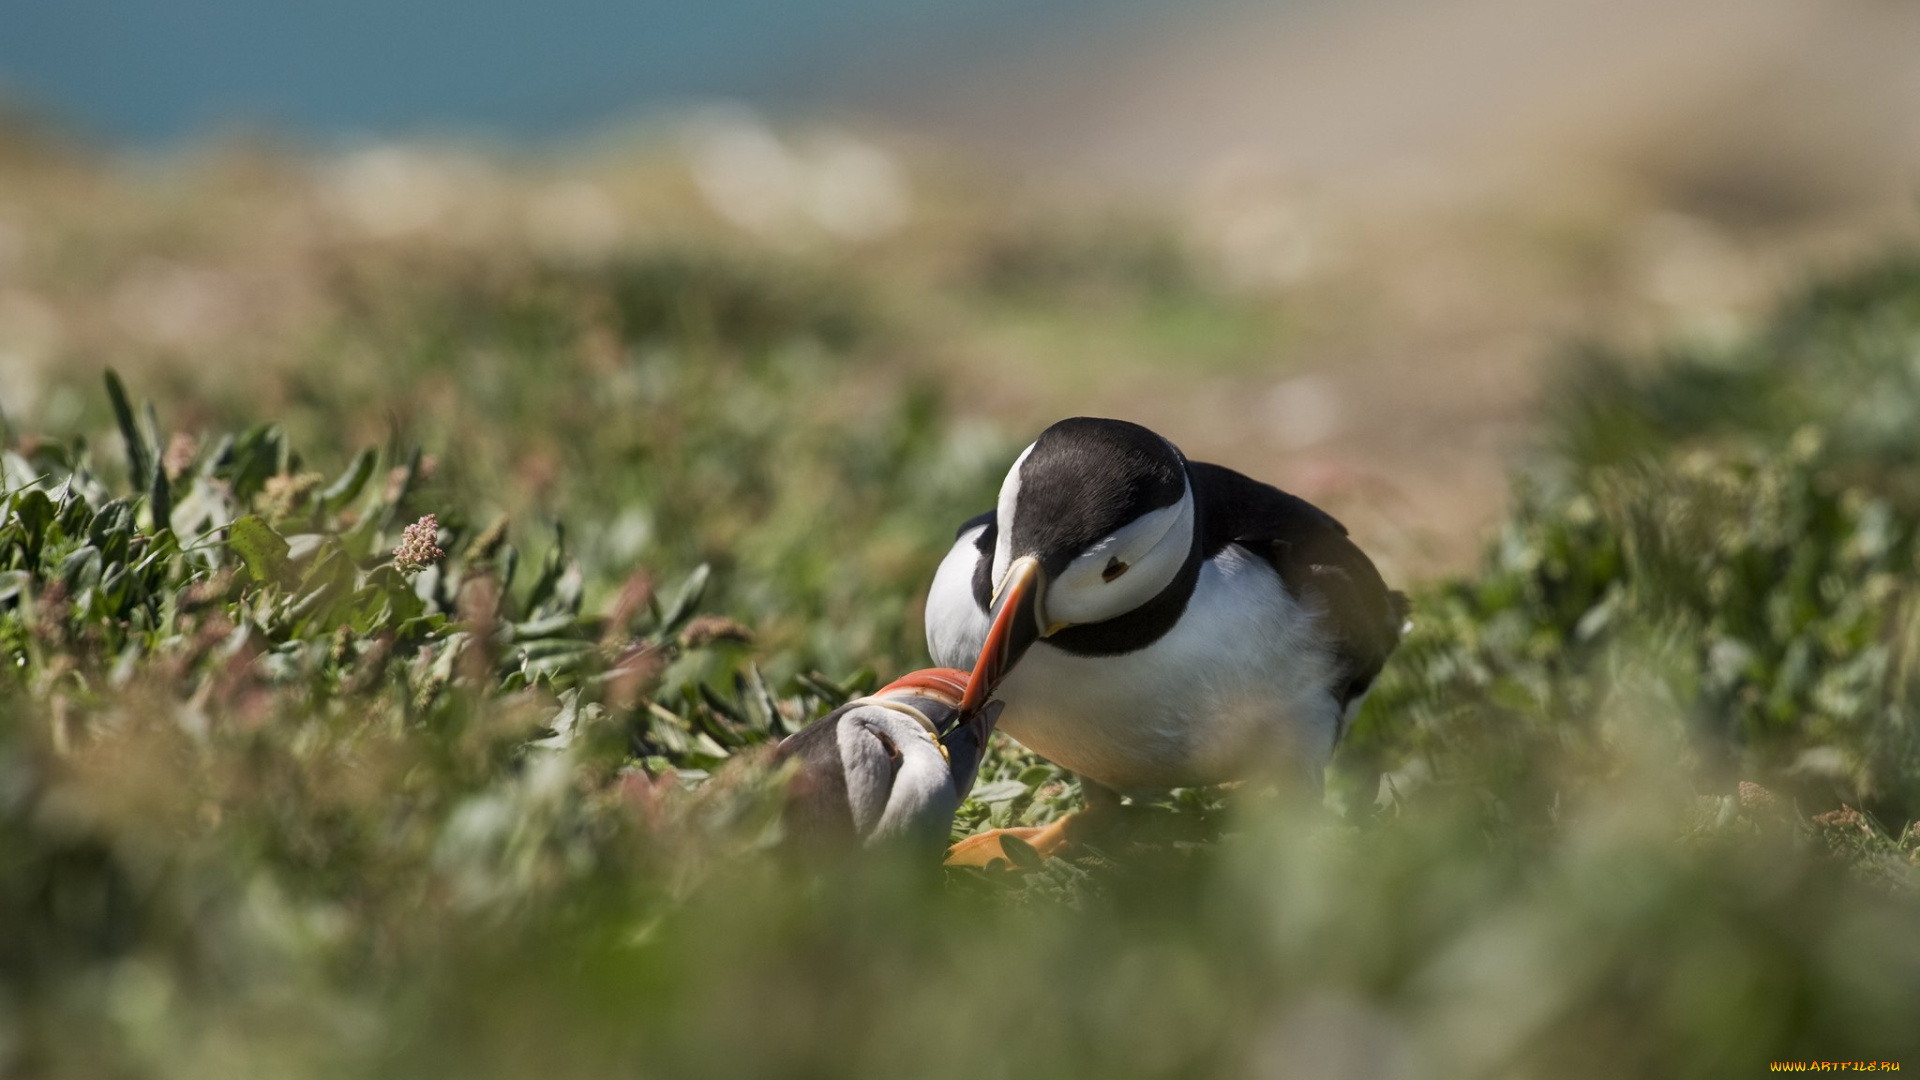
155	71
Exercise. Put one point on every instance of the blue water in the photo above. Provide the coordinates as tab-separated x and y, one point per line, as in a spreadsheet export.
153	71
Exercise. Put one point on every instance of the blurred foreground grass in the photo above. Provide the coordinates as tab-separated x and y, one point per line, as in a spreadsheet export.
1636	797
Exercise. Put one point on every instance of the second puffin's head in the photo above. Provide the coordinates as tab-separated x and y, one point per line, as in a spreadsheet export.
893	764
1095	519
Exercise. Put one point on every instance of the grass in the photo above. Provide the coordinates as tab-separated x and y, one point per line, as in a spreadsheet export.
1636	796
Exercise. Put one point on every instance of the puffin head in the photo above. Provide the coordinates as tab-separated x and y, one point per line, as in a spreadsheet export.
1095	519
895	763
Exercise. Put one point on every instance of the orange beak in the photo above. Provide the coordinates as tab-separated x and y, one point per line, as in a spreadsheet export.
941	684
1016	626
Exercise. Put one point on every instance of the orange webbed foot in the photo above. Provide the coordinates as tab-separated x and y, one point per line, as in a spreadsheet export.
981	849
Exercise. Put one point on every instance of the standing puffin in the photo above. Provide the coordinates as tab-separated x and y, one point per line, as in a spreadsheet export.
1152	622
893	765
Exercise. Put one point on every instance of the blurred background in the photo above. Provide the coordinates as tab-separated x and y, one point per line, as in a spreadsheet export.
1412	204
698	326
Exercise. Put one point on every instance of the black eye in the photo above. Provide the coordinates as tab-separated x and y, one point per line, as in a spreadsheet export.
892	751
1114	569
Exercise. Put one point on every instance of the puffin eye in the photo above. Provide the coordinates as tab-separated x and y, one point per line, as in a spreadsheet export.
892	751
1114	569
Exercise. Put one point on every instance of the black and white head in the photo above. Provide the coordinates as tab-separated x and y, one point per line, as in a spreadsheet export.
1095	520
894	764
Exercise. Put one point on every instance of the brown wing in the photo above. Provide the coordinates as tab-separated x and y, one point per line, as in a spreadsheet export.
1320	566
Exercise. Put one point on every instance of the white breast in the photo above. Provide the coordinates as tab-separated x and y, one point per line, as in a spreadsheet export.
1237	688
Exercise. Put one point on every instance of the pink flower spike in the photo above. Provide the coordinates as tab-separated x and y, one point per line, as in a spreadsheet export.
417	550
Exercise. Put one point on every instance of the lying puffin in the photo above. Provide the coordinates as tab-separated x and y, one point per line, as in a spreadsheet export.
891	766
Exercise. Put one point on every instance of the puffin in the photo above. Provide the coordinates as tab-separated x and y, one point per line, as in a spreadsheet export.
891	767
1150	622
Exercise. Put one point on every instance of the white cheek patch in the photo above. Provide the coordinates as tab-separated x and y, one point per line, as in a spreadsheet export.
1154	547
1003	518
869	773
915	791
876	779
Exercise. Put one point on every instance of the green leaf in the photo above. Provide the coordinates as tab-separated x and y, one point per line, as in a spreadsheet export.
864	681
139	460
252	459
1035	775
160	500
150	431
326	591
567	591
113	585
385	602
81	569
544	627
348	487
75	514
687	600
112	528
998	792
161	546
261	550
420	626
721	710
35	511
752	689
550	570
548	647
216	459
1021	852
506	563
822	687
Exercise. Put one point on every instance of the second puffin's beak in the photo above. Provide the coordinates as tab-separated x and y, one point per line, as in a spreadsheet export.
1016	626
966	745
